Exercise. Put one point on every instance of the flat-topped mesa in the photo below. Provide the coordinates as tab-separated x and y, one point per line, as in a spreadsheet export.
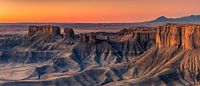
69	33
52	30
186	36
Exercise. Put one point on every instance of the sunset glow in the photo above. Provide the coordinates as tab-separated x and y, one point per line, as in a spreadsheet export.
94	10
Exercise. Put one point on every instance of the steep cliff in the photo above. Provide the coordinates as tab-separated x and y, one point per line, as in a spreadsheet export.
184	36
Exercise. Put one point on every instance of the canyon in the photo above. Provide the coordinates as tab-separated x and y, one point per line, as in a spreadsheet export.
164	55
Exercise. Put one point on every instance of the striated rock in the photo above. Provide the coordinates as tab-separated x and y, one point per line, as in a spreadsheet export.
181	35
10	41
139	39
190	66
145	36
145	39
52	30
190	36
69	33
26	56
168	35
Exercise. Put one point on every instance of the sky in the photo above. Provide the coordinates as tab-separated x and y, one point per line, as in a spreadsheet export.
97	11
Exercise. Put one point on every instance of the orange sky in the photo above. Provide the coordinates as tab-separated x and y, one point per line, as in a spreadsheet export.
94	10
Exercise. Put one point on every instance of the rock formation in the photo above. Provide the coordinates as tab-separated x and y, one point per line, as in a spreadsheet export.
88	37
146	39
69	33
174	58
181	35
52	30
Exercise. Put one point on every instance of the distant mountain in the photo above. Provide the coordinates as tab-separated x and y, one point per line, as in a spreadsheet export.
185	19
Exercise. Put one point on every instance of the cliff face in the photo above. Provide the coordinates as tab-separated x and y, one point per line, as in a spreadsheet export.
184	36
191	36
168	35
146	38
48	37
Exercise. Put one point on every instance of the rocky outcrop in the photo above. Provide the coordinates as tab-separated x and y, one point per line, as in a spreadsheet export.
168	35
52	30
180	35
88	38
190	37
49	37
69	33
141	38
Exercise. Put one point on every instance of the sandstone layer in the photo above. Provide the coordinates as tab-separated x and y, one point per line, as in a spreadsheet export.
182	35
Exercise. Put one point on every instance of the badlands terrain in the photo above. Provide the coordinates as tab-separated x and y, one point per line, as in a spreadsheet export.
154	53
165	55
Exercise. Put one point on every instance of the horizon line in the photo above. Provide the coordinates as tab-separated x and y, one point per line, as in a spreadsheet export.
68	22
145	21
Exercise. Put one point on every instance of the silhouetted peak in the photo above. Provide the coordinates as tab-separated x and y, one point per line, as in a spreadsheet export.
162	18
191	18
